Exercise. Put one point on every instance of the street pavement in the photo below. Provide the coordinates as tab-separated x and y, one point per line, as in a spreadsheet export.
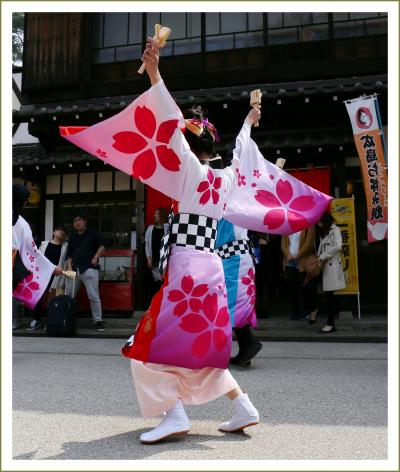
74	399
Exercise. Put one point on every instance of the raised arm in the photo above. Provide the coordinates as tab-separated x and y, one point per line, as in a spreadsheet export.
252	117
145	139
151	57
242	138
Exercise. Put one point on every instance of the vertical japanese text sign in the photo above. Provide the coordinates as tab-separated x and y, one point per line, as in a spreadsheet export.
342	210
364	115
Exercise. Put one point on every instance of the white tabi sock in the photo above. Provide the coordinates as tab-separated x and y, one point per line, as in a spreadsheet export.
175	422
245	415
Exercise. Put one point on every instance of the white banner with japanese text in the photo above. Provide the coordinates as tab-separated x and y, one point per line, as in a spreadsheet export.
368	136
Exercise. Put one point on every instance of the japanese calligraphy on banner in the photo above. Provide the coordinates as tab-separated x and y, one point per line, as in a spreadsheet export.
342	210
364	117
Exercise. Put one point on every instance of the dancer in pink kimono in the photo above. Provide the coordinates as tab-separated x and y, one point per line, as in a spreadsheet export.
32	271
238	259
189	315
182	344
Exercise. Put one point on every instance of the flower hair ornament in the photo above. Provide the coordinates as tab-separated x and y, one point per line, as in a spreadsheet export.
197	127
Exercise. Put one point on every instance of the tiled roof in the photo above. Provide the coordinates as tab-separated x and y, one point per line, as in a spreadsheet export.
35	154
30	155
339	86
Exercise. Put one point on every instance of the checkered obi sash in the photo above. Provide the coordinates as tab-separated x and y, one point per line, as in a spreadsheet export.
188	230
236	248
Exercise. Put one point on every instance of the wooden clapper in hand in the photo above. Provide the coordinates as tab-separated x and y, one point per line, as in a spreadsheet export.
280	162
255	101
161	35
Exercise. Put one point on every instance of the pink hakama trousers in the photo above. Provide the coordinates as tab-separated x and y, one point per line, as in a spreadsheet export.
159	387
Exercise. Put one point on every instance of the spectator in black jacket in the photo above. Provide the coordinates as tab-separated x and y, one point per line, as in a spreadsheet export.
85	246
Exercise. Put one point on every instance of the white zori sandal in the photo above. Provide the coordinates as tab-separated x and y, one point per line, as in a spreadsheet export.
245	415
175	423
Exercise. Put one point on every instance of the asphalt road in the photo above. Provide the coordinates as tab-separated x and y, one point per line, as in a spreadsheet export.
74	399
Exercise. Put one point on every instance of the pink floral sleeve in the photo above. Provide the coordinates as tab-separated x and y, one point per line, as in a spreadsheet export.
144	140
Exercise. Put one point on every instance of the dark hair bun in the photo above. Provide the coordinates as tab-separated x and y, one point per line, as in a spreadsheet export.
204	142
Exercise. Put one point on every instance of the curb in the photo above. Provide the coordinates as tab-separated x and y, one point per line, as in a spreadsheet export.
362	336
269	329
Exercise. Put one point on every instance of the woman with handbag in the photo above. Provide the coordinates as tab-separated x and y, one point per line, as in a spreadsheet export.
332	272
297	249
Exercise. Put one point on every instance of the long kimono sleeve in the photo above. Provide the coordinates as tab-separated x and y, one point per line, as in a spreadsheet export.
241	139
144	140
31	288
267	199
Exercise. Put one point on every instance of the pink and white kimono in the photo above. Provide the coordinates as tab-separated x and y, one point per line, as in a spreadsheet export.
31	288
182	344
239	270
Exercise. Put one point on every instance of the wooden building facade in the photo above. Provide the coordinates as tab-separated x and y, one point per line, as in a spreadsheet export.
80	68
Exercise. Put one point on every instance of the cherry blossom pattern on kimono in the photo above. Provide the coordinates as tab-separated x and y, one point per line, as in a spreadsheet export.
208	188
291	207
188	297
205	318
241	179
249	280
26	288
130	142
268	199
31	288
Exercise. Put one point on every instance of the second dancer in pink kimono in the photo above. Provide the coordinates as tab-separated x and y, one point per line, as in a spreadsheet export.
238	260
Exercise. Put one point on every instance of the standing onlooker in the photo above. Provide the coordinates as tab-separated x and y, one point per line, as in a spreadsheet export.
85	246
332	272
295	248
153	236
272	255
55	250
268	271
260	241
